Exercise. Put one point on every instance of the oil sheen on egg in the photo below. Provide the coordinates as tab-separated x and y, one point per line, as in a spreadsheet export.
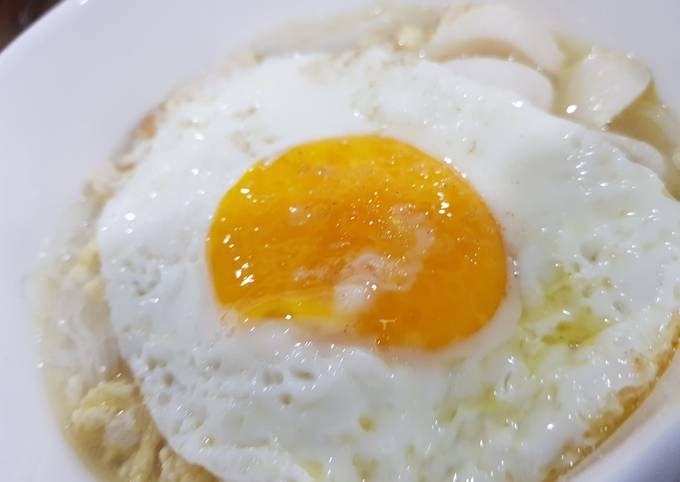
347	268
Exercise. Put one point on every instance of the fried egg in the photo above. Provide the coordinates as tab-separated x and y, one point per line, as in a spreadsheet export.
366	267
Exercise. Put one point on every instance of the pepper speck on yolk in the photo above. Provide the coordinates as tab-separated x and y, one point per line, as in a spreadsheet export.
359	237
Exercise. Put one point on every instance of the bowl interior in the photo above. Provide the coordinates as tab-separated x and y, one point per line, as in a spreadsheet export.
75	84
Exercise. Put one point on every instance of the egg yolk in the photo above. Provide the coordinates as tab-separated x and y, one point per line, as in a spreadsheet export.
362	238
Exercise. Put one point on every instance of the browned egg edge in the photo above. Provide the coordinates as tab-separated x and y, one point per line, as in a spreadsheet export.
626	401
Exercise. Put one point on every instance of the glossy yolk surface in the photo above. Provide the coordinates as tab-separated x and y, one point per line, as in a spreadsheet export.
362	238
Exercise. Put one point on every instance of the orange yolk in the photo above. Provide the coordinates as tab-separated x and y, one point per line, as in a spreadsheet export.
364	238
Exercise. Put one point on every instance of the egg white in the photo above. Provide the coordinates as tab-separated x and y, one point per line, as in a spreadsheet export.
269	404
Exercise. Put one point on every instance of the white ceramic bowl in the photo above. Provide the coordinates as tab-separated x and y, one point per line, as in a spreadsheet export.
73	86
